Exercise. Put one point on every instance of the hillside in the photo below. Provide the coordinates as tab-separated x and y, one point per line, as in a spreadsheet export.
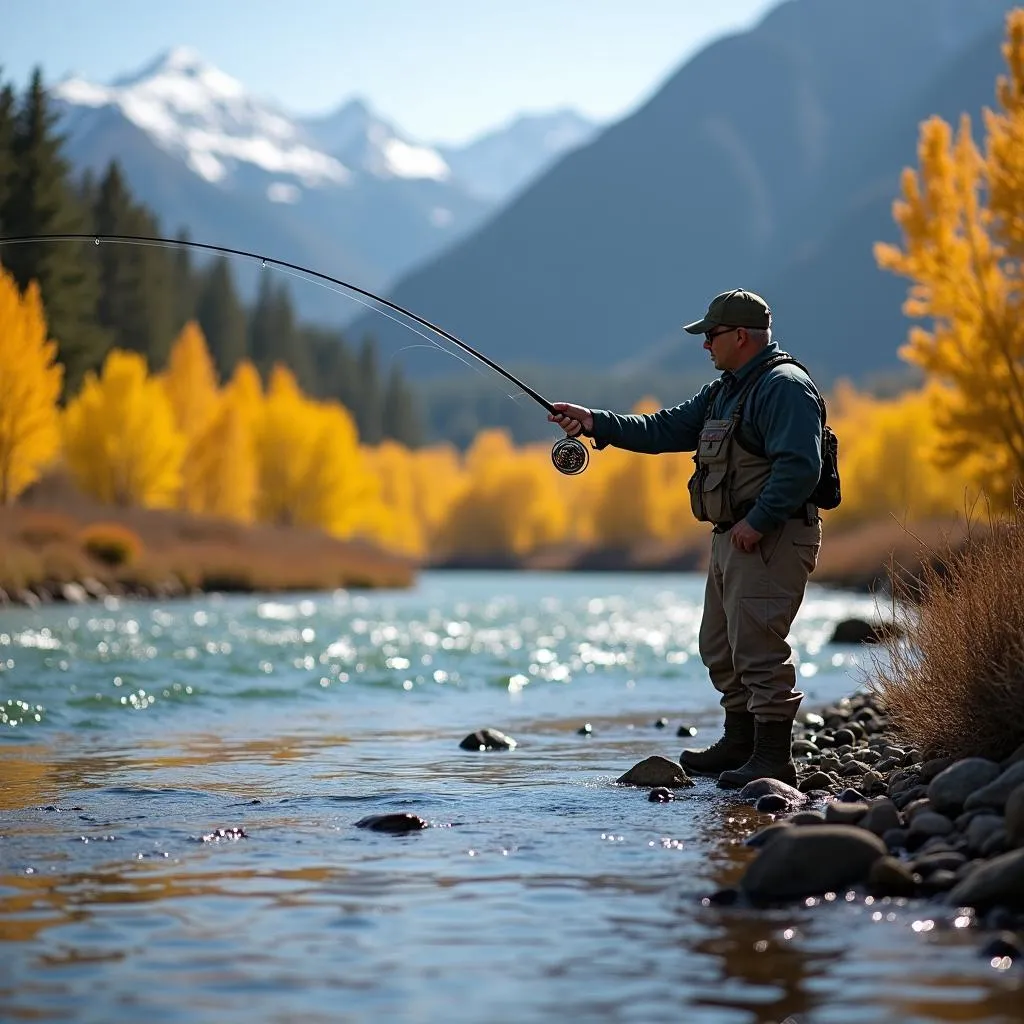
770	160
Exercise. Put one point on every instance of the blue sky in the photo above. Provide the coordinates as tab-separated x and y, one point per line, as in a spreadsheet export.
443	70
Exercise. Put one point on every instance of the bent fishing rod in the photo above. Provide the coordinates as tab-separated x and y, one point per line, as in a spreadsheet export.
568	454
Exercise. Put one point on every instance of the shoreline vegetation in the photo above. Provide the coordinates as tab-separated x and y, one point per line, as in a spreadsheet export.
64	546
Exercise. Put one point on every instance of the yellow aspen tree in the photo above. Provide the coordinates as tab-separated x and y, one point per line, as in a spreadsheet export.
222	462
30	386
121	442
309	468
632	505
191	384
963	239
397	523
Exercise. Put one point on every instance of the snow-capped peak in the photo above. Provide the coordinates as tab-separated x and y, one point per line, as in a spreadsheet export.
359	138
194	110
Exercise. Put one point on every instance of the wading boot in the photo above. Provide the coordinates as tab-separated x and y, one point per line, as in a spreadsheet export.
731	751
772	757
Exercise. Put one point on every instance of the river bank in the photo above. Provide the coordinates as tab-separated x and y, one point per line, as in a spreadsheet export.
80	551
46	554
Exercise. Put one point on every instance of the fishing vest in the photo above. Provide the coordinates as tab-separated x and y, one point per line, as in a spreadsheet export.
728	477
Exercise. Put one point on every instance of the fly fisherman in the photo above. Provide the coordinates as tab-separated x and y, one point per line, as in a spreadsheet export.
757	434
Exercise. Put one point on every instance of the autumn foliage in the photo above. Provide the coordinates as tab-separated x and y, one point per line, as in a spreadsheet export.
255	450
962	218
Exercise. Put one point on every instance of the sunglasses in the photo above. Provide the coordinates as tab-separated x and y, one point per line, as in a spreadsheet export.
710	336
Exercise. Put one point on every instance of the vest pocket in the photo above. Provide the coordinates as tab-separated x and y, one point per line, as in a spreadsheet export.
709	496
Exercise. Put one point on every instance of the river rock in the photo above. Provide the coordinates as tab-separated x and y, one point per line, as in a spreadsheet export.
488	739
1000	882
753	791
997	792
771	803
925	825
807	818
809	861
661	795
891	877
881	816
859	631
839	813
979	830
656	771
1017	755
929	769
1015	817
395	824
949	790
816	780
765	835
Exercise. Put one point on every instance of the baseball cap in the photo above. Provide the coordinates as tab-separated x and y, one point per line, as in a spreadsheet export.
738	308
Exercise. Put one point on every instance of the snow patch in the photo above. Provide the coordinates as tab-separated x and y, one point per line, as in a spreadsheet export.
441	217
207	166
404	160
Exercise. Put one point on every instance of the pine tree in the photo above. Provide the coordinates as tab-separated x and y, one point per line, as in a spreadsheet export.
135	301
368	409
184	285
221	317
274	336
40	201
7	110
30	385
400	414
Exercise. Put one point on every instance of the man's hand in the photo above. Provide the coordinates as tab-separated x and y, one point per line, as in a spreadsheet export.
573	419
744	536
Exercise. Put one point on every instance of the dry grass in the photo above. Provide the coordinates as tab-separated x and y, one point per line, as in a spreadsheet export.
52	539
955	685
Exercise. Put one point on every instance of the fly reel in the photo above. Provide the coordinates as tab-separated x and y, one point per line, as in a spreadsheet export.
569	455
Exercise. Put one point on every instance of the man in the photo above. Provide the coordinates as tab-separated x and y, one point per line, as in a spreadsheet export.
757	436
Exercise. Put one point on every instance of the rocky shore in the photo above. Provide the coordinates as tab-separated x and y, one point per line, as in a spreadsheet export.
873	816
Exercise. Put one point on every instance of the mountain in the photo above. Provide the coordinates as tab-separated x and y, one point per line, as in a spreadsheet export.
503	161
768	160
347	193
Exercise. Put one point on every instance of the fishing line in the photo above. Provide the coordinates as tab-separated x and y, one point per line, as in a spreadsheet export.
569	455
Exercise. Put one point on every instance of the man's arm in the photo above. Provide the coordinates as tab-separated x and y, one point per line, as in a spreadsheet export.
788	417
668	430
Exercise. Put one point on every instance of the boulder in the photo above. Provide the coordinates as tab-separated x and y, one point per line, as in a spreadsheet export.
656	771
980	829
1000	883
950	788
998	791
1015	817
808	861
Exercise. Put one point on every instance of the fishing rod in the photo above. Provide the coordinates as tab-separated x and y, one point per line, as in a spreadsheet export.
568	454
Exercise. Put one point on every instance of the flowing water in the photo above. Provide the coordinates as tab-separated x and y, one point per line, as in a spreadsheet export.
131	732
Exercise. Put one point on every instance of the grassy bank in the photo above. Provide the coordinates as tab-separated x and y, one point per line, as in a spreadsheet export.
75	549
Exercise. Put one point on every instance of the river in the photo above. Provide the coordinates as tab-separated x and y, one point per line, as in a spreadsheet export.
131	732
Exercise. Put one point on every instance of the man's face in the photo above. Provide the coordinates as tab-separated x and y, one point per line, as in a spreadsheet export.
724	343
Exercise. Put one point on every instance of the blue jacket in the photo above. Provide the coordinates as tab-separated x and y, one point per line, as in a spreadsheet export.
781	418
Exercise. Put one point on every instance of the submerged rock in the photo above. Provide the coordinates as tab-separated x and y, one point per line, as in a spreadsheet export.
753	791
395	824
656	771
488	739
802	862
